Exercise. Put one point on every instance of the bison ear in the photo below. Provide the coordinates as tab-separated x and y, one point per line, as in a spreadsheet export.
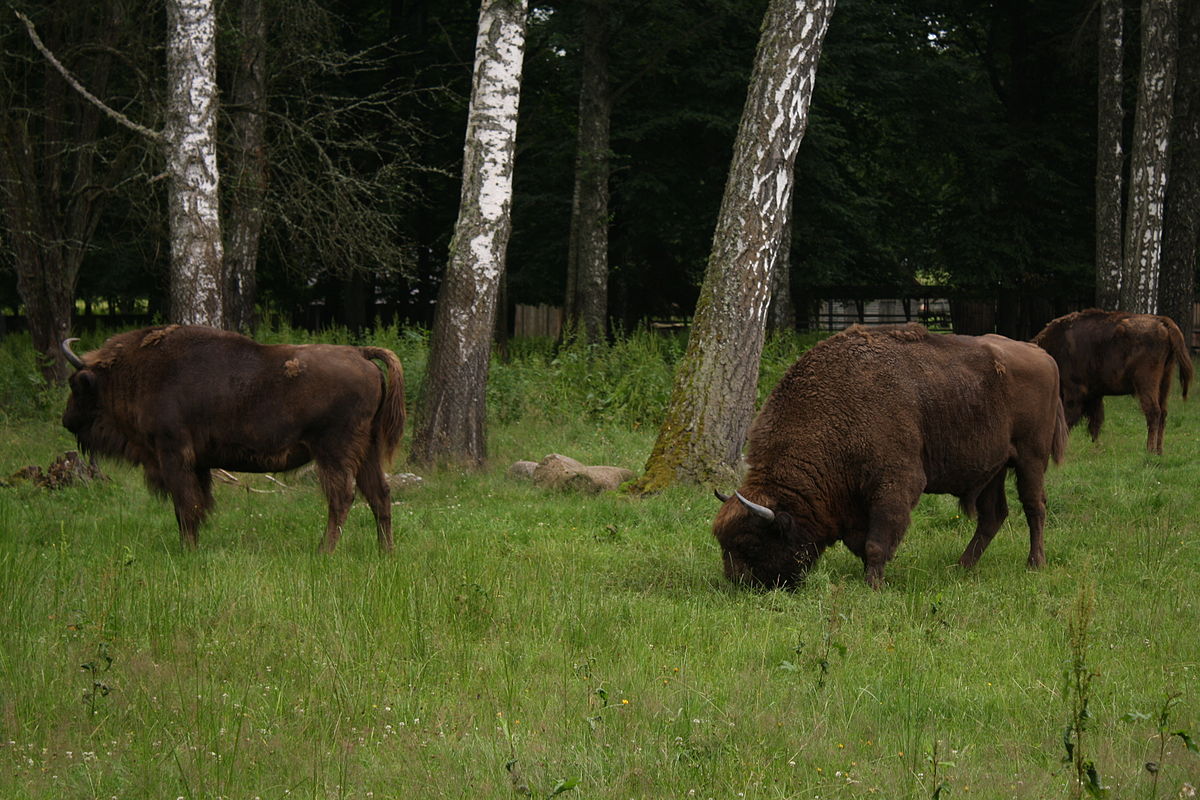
83	382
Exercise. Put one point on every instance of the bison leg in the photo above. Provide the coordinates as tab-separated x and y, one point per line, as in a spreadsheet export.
1153	400
1031	490
888	521
191	492
1093	409
338	485
991	509
373	484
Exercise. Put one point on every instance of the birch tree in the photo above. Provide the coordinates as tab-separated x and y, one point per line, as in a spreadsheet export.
188	140
1110	154
712	400
1149	160
197	285
1181	226
451	414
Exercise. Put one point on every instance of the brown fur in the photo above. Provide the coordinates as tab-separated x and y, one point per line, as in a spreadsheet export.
868	420
1103	353
180	401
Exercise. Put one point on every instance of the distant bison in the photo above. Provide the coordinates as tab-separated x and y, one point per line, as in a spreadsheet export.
868	420
1113	352
182	400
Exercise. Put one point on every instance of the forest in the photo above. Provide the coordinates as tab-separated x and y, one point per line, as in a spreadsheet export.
950	144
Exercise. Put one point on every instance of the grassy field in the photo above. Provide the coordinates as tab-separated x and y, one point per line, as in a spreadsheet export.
526	643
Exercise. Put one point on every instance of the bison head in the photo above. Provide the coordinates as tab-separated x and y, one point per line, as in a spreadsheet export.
83	405
761	547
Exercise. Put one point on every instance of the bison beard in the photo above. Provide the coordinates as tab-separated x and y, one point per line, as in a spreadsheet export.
180	401
1103	353
868	420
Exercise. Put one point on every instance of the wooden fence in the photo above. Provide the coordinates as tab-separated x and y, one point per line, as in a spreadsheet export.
541	320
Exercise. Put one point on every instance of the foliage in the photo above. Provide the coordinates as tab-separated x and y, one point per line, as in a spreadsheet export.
23	392
941	143
591	642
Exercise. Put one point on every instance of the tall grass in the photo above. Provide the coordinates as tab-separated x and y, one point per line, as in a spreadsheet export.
519	641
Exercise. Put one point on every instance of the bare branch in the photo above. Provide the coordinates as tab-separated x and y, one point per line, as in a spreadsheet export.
112	113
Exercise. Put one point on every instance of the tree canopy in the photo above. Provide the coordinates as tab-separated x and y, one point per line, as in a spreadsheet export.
949	142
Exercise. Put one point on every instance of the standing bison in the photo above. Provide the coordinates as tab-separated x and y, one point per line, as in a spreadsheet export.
1114	352
867	421
182	400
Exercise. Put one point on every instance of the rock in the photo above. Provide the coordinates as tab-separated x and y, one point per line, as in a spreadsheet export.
553	471
560	472
522	470
404	480
594	480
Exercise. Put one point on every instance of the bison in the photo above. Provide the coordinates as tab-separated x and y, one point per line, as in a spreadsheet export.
1114	352
180	401
868	420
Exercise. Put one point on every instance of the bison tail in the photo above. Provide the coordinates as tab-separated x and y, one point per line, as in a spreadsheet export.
388	426
1062	431
1179	350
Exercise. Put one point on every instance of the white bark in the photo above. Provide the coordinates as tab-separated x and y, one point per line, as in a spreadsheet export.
1149	159
450	425
1109	152
197	273
712	402
484	222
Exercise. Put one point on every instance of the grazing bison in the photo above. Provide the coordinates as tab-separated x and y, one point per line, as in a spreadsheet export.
1114	352
182	400
868	420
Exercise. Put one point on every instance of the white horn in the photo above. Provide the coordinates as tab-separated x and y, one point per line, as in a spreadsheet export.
756	509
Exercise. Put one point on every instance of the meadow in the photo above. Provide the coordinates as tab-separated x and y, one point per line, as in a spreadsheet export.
526	643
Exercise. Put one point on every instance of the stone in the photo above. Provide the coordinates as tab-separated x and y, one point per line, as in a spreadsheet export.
522	470
553	471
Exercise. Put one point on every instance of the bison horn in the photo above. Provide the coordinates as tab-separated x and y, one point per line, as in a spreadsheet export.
721	497
756	509
72	359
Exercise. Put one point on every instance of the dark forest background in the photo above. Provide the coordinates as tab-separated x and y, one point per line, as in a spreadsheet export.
950	144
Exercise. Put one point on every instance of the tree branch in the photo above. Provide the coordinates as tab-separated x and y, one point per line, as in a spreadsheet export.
112	113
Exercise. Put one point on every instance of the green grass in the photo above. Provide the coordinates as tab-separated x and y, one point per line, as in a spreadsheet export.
519	638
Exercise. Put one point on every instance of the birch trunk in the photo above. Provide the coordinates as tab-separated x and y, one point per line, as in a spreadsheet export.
197	279
781	313
715	387
1149	160
587	261
247	167
1181	225
451	425
1109	152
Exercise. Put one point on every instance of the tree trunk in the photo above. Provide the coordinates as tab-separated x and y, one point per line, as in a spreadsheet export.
247	167
1109	152
197	282
715	387
781	314
1149	159
52	178
587	261
451	424
1181	224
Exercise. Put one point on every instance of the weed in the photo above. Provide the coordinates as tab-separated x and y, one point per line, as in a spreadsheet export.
1078	678
1164	735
